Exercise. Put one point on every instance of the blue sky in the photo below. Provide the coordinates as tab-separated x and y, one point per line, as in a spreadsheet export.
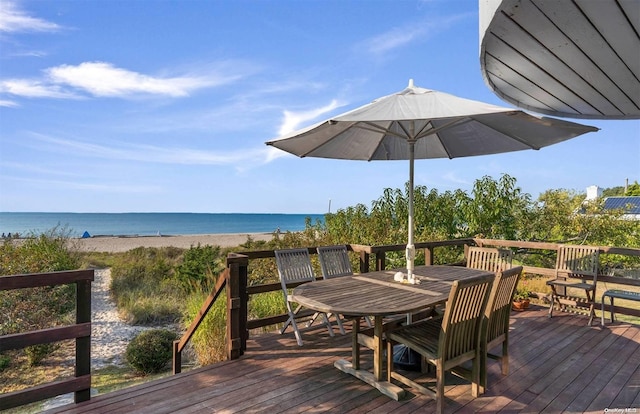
137	106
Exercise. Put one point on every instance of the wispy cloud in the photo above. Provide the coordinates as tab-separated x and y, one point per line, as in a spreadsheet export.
410	33
8	104
149	153
293	120
98	188
31	88
13	20
105	80
102	79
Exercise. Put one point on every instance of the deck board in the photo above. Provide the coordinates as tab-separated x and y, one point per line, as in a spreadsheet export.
556	365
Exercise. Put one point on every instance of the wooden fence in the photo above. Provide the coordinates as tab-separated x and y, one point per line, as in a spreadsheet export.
80	384
238	291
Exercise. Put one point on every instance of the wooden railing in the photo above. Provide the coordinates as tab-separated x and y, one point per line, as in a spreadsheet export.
238	291
80	385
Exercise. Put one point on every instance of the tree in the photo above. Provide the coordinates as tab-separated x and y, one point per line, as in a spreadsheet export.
633	190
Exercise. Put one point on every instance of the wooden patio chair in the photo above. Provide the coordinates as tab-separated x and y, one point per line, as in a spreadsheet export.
449	341
334	262
495	330
489	258
294	268
497	322
576	269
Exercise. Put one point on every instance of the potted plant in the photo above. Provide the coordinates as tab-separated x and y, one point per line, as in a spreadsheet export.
521	297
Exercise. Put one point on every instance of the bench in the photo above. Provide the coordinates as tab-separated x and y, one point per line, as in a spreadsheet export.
620	294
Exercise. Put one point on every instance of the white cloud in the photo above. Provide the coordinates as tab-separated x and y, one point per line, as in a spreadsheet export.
98	188
293	120
8	104
407	34
33	89
150	153
104	79
13	20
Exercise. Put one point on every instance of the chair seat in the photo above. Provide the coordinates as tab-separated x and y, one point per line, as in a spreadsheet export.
567	283
421	336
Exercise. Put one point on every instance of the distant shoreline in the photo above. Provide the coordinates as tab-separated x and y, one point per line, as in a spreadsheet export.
119	244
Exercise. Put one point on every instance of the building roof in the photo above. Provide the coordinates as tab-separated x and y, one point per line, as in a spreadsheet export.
630	205
576	59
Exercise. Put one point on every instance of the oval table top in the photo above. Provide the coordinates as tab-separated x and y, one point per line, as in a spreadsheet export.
377	294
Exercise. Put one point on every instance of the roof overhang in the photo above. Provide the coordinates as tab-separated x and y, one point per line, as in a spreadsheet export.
576	59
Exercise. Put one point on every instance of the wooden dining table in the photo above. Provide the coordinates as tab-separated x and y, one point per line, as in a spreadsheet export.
377	294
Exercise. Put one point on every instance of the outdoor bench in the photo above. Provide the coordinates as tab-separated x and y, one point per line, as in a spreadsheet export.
617	293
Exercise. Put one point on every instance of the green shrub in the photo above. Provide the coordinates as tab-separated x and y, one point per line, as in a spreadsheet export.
36	353
5	362
36	308
199	268
151	351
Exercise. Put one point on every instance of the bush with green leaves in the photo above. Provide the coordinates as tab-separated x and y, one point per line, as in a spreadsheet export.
199	268
24	310
151	351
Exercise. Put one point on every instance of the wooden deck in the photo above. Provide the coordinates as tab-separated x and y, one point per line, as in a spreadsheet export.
557	365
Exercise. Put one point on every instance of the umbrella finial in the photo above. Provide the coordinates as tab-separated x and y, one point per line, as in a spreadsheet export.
410	83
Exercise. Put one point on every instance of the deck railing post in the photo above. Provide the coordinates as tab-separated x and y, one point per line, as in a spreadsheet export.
237	333
83	344
428	256
364	262
381	260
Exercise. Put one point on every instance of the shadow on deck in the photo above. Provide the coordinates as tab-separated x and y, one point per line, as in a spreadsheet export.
556	365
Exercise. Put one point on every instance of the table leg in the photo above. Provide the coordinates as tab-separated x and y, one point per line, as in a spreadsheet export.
355	344
378	350
373	378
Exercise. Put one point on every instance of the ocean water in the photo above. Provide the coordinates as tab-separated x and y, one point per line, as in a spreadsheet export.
147	224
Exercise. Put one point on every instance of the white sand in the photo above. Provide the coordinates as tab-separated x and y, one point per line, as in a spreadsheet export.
123	244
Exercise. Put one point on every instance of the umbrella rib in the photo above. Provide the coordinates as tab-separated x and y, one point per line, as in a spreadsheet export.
377	128
435	131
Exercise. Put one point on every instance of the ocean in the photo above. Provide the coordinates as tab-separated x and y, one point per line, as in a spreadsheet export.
148	224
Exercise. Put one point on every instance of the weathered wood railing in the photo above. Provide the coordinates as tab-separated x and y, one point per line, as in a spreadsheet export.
80	385
239	292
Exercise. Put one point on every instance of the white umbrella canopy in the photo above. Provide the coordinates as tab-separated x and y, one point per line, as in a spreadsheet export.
418	123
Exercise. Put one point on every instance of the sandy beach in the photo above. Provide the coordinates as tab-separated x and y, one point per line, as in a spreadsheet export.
126	243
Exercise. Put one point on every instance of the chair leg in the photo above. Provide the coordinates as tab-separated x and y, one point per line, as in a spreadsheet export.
592	301
482	358
296	331
505	357
476	377
327	324
368	320
553	296
339	321
440	373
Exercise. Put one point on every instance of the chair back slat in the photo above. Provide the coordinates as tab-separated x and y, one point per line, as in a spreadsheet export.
578	261
461	321
334	261
294	265
489	259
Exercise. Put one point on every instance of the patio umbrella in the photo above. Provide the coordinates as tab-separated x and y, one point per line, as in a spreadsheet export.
418	123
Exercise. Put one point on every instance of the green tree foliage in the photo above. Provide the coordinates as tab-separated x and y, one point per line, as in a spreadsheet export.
496	208
633	190
613	192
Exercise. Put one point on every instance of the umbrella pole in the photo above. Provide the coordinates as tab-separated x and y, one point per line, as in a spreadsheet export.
411	249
